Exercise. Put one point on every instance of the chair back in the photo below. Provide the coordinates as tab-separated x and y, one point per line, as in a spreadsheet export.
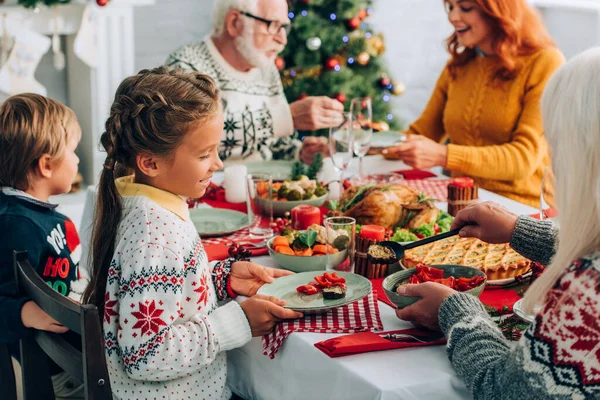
87	365
8	385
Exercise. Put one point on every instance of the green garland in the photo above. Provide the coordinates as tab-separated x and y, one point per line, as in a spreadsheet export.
47	3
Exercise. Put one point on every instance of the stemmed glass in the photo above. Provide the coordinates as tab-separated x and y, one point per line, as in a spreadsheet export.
547	198
341	141
362	126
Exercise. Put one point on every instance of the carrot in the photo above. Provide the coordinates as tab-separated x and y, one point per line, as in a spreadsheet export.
281	241
320	249
285	250
277	185
331	249
261	188
306	252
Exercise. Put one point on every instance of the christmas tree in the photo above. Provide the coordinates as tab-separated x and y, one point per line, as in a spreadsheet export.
332	51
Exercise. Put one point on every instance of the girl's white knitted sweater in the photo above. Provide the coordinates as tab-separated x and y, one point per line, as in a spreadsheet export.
164	333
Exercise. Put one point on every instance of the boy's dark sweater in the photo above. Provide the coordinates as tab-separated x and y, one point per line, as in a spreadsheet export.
53	248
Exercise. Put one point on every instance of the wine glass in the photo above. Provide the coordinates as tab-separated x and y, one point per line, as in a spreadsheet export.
341	141
362	126
547	198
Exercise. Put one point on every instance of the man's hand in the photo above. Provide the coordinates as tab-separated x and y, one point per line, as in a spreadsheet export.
420	152
487	221
312	113
313	145
246	277
34	317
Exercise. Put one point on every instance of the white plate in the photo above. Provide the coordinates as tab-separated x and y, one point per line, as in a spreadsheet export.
507	281
518	310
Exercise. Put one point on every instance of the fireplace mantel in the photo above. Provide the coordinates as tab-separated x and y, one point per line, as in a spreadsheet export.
90	90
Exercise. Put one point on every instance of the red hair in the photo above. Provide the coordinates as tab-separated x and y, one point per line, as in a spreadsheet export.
517	31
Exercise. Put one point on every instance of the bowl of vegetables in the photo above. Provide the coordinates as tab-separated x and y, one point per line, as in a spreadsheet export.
302	251
463	279
291	193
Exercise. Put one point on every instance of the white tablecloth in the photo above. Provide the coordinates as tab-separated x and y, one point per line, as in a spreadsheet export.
300	371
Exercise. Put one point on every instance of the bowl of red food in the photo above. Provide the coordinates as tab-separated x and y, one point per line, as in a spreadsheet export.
458	277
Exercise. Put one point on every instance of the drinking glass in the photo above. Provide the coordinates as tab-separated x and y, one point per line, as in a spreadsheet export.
341	140
362	127
260	205
340	240
547	199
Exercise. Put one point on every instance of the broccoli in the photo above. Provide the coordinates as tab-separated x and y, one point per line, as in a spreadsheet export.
307	196
320	190
282	192
290	234
293	195
298	245
341	242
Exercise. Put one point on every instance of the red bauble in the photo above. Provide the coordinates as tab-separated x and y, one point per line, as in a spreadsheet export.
362	14
331	63
385	81
341	97
354	23
280	63
102	3
302	96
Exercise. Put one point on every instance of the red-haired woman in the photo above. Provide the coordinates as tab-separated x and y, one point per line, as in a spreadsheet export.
486	101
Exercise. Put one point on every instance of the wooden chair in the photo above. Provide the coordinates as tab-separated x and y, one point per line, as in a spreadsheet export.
87	366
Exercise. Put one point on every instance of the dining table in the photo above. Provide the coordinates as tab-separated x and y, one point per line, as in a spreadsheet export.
301	371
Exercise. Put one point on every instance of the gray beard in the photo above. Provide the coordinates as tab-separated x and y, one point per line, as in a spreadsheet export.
244	45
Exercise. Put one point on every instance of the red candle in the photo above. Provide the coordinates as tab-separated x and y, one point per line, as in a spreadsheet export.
463	182
372	232
304	216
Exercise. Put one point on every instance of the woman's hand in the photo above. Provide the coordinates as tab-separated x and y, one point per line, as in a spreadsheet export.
417	151
487	221
425	311
263	313
246	277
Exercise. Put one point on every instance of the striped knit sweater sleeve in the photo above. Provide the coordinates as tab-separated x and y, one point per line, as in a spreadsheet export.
558	357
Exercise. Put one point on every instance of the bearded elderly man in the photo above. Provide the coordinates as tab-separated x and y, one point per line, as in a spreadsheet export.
239	55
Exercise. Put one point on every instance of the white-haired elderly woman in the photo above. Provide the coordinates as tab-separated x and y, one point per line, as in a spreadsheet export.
558	357
239	55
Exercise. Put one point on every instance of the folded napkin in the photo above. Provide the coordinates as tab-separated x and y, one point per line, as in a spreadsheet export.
415	173
360	316
365	342
220	251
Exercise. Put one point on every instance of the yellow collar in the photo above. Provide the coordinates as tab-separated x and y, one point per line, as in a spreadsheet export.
168	200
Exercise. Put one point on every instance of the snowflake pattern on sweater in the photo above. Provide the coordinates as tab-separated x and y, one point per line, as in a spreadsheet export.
165	335
558	357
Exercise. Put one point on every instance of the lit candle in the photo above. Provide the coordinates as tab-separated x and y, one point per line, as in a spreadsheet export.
235	183
331	176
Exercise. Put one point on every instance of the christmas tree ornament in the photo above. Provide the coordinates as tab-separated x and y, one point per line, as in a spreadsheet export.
385	81
280	63
363	58
354	23
313	43
341	97
331	63
362	14
84	45
102	3
398	88
17	75
375	45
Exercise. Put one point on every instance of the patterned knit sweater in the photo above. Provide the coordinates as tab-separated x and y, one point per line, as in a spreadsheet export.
164	334
558	357
495	129
258	120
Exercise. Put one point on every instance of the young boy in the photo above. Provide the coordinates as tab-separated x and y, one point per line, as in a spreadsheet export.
38	137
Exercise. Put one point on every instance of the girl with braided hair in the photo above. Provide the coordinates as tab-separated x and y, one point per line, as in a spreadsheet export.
157	295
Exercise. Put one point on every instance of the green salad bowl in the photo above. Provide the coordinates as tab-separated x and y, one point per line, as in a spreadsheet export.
281	207
304	263
457	271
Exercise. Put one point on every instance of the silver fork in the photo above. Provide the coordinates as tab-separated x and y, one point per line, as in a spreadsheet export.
253	244
400	336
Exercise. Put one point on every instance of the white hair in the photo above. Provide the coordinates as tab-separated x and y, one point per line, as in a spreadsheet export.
222	7
571	116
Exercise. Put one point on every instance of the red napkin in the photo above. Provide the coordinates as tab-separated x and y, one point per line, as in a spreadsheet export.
415	173
492	296
549	212
365	342
220	251
362	315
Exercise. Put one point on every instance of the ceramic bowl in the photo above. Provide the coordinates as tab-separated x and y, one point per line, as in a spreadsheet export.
457	271
281	207
304	263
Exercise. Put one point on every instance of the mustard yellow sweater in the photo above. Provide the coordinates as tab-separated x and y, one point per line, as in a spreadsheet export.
495	128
